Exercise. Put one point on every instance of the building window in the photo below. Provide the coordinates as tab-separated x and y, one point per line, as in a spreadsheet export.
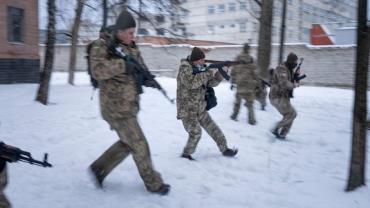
232	7
15	24
211	9
242	27
211	29
222	26
160	31
232	25
221	8
243	6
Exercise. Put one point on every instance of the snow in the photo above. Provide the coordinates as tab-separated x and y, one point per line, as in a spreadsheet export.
307	170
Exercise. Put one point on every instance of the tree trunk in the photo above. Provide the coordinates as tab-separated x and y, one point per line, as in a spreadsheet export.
75	28
264	38
43	91
359	124
105	13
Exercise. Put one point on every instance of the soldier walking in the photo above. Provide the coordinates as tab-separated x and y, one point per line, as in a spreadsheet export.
119	103
192	82
282	85
245	78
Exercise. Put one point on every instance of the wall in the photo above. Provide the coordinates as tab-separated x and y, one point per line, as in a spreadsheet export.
329	66
19	62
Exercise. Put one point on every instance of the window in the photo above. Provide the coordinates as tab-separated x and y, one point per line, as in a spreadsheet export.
211	9
222	26
243	6
242	27
232	7
221	8
211	29
160	31
15	24
232	25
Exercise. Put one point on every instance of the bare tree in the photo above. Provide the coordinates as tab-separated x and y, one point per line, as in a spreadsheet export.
264	37
359	124
75	29
43	91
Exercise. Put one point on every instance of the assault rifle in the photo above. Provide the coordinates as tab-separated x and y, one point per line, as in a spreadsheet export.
14	154
297	76
220	64
142	74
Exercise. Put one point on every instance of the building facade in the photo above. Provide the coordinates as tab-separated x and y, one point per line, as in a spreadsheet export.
19	59
236	21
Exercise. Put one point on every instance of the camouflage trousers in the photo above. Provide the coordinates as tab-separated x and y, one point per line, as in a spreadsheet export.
132	141
285	108
193	127
249	98
4	203
261	95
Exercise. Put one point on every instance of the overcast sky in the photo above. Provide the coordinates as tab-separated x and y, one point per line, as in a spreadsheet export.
66	7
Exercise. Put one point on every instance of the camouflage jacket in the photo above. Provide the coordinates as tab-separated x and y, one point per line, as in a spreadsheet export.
244	75
281	82
118	90
191	89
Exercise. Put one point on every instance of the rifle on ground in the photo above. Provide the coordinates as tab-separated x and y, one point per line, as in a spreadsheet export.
14	154
142	74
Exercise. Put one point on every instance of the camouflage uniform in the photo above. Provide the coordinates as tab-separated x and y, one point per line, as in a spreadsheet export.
4	203
281	84
261	94
245	78
119	102
191	106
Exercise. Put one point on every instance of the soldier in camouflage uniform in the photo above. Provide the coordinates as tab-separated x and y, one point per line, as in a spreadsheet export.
119	103
261	94
245	78
192	81
4	203
282	85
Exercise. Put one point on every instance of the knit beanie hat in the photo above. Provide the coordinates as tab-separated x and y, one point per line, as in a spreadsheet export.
246	48
292	58
196	54
124	21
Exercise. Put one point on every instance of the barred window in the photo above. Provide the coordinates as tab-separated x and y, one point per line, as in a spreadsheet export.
15	24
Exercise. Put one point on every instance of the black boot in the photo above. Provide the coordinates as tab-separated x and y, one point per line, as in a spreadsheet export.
230	152
97	177
163	189
276	132
189	157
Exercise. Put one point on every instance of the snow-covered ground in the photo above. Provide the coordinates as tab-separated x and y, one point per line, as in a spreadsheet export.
309	170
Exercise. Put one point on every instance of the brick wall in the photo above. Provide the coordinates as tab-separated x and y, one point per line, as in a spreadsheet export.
19	61
329	66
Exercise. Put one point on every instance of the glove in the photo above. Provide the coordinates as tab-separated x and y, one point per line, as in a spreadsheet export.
232	86
150	83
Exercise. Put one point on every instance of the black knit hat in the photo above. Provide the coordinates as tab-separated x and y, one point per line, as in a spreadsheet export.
246	48
125	20
196	54
291	58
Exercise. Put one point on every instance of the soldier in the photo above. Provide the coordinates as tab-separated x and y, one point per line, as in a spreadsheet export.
282	85
246	80
4	203
261	94
192	81
119	103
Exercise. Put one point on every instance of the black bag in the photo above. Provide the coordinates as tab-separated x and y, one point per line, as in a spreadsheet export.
210	98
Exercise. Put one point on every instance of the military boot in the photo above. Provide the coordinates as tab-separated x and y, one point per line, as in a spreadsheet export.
230	152
163	189
233	117
189	157
97	176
